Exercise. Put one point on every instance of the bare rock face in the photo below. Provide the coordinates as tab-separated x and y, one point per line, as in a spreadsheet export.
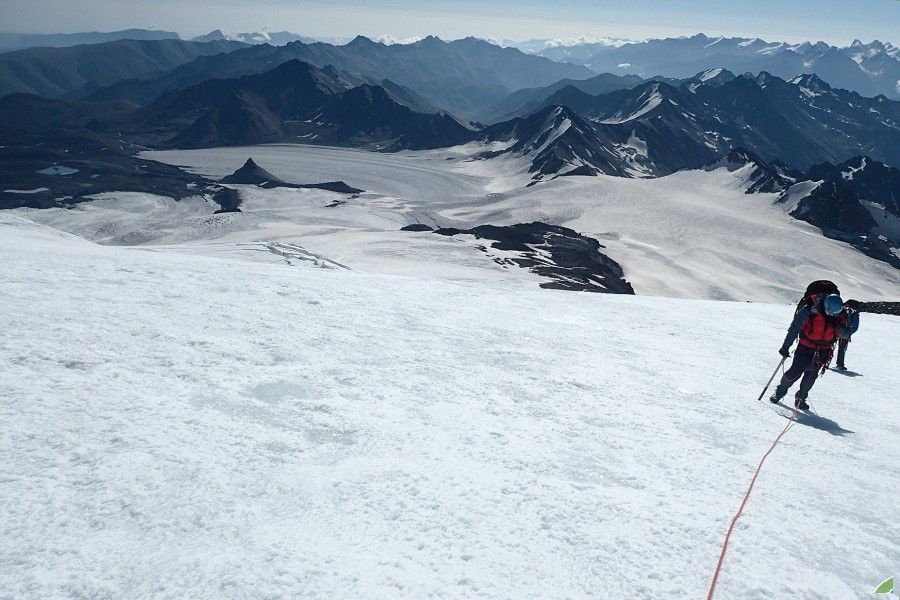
567	259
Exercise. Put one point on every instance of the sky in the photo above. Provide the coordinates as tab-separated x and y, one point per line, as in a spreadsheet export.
834	21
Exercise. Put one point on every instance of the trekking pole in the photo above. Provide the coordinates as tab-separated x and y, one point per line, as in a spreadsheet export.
766	389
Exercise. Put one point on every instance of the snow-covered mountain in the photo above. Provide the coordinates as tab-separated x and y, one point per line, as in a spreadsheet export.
555	141
275	38
561	49
857	201
196	422
689	123
878	59
869	69
756	175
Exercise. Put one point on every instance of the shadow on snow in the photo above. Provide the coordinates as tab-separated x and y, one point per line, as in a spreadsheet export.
821	423
847	373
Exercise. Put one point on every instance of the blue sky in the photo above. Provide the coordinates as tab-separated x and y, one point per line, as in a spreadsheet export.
796	20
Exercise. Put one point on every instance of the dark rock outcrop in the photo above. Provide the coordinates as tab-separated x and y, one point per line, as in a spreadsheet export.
228	199
880	308
72	165
569	260
252	174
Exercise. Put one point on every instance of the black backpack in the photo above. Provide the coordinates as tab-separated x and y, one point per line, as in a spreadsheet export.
817	289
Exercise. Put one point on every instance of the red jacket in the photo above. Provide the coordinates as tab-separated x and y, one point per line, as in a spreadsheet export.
816	329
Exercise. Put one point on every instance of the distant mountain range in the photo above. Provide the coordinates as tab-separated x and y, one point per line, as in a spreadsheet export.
19	41
869	69
461	77
79	115
561	49
293	102
650	129
656	128
56	72
276	38
524	101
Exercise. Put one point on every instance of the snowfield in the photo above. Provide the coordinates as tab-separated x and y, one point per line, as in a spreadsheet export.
180	422
693	234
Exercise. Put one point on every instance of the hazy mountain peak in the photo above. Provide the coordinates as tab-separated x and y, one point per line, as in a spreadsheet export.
810	81
214	35
763	77
714	77
430	40
360	40
293	71
390	40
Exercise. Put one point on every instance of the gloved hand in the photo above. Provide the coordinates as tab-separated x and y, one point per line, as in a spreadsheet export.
785	351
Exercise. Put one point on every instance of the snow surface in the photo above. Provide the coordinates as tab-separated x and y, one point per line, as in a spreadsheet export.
33	191
58	170
390	40
710	74
652	101
552	129
536	46
693	234
363	233
184	425
849	174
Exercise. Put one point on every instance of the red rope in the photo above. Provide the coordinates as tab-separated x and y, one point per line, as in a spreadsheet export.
740	510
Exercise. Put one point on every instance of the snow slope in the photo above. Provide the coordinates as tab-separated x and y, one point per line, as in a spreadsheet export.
362	233
695	234
692	234
179	425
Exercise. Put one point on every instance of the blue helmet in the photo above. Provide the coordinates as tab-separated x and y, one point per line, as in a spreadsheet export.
833	304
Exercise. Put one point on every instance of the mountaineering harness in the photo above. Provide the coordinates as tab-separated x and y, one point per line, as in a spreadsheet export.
819	333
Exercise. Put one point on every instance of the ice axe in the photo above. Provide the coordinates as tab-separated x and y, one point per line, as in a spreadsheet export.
766	389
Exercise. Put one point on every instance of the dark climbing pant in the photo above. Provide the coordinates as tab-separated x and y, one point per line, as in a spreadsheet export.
842	351
804	365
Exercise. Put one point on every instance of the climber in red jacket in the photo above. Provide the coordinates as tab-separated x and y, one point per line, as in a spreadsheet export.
819	321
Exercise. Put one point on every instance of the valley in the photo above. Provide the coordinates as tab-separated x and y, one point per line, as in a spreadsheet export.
694	234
